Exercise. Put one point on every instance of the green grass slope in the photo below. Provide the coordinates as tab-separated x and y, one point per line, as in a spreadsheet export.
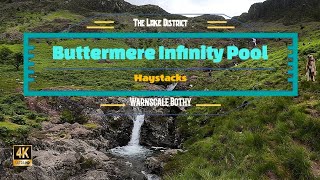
255	138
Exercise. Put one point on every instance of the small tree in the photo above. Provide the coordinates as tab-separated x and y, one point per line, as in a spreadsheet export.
5	55
17	60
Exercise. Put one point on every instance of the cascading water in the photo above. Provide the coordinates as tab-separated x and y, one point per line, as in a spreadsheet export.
134	152
133	149
171	87
135	136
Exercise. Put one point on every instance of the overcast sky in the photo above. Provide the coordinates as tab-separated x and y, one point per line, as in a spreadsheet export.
228	7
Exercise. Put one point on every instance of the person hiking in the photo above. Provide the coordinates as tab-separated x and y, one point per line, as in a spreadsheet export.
311	68
254	41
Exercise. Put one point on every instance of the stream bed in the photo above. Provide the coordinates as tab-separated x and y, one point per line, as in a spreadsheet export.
134	153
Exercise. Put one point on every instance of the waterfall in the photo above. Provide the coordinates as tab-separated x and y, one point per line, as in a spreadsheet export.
133	149
135	135
171	87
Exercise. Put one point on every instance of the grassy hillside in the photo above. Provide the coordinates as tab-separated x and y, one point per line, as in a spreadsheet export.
256	138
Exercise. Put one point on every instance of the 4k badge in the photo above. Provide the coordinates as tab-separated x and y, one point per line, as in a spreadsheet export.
22	155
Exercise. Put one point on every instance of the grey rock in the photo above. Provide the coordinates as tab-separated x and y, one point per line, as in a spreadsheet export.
154	165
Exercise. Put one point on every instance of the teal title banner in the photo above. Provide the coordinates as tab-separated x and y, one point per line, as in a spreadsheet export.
180	52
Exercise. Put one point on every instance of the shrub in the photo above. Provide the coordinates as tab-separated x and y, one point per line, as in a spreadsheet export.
41	119
14	98
4	131
66	116
32	116
20	109
73	117
1	117
23	131
91	126
87	163
17	60
5	54
18	120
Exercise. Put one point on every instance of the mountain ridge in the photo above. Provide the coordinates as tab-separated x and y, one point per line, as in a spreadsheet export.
82	7
285	11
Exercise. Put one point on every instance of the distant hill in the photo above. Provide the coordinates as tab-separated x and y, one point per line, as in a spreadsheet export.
286	11
209	17
83	7
110	6
17	16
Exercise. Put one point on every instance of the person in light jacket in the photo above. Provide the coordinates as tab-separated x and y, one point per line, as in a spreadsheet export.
311	68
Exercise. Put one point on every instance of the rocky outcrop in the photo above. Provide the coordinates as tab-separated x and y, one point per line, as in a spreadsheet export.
112	123
69	151
286	11
115	123
63	150
5	153
155	164
159	131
